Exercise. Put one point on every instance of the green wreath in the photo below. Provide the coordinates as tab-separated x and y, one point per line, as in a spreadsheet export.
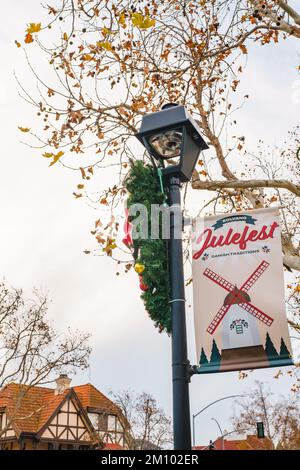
143	186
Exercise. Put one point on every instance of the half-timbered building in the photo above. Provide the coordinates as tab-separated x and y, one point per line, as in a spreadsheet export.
63	418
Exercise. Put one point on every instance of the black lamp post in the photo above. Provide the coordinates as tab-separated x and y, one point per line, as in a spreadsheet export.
172	136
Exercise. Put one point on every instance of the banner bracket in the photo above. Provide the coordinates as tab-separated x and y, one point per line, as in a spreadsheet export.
193	370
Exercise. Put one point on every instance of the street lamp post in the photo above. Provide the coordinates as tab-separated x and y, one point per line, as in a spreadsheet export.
205	408
180	363
172	134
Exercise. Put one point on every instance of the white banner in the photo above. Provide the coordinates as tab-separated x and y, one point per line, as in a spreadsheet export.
239	305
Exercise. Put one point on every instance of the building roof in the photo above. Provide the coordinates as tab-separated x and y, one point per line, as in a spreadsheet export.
250	443
90	397
38	404
110	446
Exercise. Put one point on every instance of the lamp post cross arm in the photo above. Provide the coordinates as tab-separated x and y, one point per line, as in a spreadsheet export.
216	401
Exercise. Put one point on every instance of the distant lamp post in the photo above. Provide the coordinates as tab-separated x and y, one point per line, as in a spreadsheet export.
205	408
172	137
220	429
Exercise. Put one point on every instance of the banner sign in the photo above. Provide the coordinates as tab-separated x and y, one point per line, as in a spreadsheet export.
239	305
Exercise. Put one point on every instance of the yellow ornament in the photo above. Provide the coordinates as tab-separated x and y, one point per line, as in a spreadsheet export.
139	268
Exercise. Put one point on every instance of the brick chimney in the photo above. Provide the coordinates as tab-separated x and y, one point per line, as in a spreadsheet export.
62	383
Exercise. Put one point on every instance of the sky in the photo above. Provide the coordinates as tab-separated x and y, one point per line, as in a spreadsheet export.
44	231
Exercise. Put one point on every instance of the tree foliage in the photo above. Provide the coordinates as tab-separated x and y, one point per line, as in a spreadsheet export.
113	61
32	351
281	417
150	428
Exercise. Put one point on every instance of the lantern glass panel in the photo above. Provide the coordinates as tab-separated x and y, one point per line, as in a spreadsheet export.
167	144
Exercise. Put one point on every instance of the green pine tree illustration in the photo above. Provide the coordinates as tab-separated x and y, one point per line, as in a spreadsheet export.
203	358
284	352
270	348
215	357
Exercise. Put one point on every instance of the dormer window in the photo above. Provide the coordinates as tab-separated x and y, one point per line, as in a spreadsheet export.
103	422
99	421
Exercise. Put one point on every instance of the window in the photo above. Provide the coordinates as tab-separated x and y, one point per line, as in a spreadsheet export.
111	425
238	325
94	419
50	446
103	422
99	421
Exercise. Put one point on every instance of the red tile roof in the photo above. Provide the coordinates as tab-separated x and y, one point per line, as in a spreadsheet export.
93	398
109	446
39	403
250	443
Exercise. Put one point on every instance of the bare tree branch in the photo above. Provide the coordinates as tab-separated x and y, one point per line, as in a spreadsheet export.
246	184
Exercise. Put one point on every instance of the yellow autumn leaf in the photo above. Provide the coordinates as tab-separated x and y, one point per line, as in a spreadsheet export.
52	155
297	288
87	57
33	28
24	129
57	157
122	19
17	43
105	31
105	45
142	22
110	245
65	37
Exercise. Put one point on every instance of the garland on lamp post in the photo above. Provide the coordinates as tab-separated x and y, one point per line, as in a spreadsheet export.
150	255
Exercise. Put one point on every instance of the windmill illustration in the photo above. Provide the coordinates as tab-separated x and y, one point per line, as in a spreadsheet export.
237	314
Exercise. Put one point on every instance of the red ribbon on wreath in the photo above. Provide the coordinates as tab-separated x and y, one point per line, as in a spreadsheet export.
127	239
143	286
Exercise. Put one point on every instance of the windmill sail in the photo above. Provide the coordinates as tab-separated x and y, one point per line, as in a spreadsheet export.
217	319
218	280
238	296
257	313
255	276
